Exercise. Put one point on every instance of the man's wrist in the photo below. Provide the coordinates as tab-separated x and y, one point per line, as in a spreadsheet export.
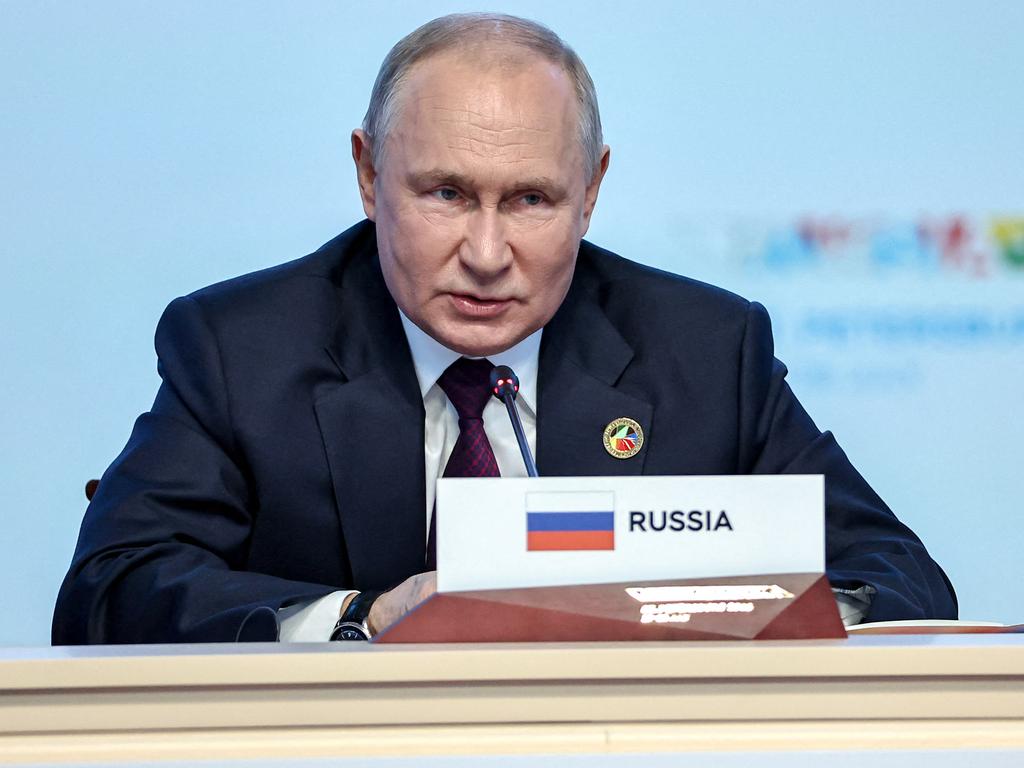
353	622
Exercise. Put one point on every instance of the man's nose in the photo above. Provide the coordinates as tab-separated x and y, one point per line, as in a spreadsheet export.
485	249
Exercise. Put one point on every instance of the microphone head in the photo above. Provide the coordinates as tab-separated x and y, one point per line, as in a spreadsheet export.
504	382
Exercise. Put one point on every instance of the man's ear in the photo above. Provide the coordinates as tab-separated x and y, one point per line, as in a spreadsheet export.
590	198
366	174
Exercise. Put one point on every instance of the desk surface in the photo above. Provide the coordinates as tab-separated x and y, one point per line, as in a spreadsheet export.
183	702
119	666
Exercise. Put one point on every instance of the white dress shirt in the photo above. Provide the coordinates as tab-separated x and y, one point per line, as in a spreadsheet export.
314	621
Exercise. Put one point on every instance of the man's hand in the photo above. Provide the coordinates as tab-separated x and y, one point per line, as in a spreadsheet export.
393	605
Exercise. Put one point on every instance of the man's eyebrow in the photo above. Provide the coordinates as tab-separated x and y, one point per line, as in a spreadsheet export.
545	183
439	178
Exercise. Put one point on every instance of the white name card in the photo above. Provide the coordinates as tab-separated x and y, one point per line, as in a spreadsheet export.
504	533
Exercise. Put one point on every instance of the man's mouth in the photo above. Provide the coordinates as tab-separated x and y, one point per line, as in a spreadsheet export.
479	306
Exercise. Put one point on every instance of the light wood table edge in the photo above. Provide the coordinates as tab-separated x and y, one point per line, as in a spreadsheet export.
536	739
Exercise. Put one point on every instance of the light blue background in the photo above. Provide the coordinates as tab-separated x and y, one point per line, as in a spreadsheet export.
149	149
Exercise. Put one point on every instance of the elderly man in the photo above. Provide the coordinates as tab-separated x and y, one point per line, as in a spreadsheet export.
282	484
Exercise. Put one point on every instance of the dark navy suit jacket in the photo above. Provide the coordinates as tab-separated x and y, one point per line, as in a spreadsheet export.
283	456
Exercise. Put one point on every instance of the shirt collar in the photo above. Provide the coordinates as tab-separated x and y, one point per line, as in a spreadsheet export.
430	359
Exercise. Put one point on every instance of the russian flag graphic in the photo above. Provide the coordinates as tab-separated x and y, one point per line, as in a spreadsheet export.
570	520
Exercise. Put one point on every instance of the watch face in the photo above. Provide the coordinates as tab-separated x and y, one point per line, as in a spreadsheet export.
350	631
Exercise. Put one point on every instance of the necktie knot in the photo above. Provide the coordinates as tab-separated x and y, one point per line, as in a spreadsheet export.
467	383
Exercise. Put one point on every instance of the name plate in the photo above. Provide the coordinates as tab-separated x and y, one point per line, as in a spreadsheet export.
508	533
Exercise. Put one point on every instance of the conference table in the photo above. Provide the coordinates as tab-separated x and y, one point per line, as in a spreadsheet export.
940	699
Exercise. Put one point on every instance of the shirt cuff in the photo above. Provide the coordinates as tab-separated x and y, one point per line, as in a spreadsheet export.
311	622
853	604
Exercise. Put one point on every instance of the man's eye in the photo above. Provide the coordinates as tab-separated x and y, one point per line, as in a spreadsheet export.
532	198
447	194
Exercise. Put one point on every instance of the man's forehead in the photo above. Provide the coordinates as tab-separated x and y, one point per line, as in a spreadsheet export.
490	93
483	113
467	159
521	114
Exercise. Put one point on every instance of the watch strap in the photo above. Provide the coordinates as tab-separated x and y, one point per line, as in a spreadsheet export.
353	618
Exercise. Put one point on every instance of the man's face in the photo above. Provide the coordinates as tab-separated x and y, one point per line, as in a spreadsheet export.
481	198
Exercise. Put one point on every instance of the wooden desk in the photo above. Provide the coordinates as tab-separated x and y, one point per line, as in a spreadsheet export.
222	701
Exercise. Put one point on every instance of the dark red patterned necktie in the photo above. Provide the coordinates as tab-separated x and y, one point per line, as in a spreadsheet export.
467	383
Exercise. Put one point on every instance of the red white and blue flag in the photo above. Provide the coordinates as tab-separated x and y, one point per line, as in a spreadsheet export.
570	520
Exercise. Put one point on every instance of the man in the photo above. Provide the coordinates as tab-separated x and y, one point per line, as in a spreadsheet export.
282	484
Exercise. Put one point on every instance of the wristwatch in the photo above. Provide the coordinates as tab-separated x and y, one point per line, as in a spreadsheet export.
352	625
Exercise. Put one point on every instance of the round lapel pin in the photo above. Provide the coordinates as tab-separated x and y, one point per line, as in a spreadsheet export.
623	438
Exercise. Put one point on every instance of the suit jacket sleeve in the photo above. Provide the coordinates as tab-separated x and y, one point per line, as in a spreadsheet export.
162	550
864	541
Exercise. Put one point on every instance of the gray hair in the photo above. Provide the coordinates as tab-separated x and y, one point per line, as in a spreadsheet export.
460	29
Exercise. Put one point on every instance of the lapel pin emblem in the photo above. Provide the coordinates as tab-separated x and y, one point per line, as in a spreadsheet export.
623	438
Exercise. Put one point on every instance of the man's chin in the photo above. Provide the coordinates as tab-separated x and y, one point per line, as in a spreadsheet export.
481	341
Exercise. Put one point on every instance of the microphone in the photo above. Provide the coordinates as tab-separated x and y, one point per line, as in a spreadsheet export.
505	386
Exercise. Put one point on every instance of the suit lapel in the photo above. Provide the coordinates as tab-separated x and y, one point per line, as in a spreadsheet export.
372	429
582	357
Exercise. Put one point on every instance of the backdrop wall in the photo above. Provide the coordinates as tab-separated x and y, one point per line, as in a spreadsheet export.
857	169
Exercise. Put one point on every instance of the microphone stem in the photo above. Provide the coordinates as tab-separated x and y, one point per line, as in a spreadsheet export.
517	427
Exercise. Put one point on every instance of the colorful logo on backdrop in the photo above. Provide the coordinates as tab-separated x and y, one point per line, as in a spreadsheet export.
570	521
975	247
